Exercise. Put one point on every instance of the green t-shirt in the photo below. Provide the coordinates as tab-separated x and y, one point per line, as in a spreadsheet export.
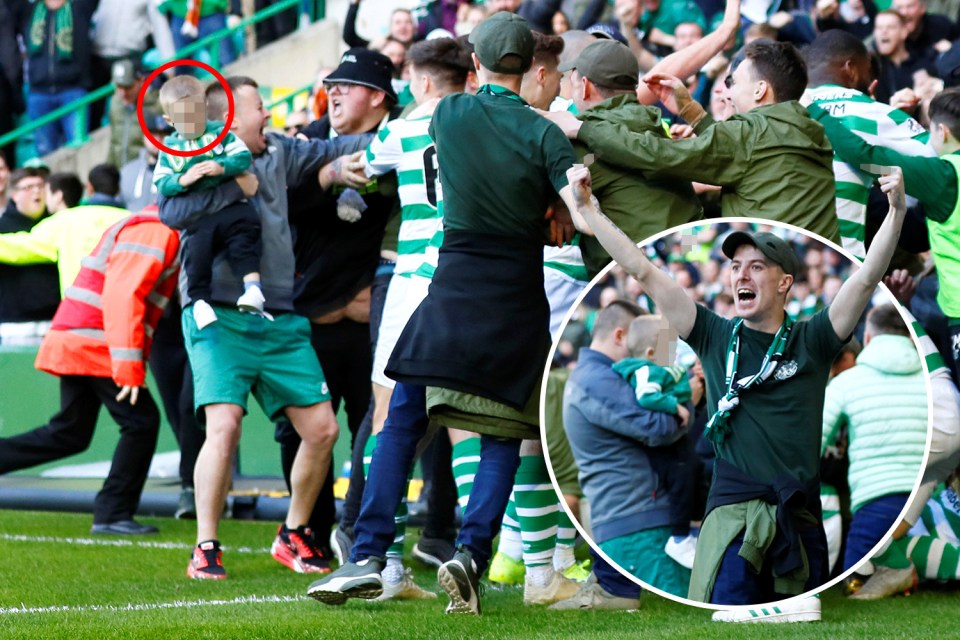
483	139
777	427
671	13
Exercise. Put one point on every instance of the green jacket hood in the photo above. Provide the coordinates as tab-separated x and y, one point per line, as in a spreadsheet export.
624	109
891	354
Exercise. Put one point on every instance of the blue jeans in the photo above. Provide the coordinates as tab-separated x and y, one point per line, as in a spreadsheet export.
612	581
870	523
208	24
393	457
51	137
737	584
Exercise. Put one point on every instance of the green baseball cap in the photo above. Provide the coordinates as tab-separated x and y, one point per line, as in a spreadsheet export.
503	34
606	63
772	246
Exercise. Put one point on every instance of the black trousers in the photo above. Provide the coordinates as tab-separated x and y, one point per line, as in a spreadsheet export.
174	377
71	430
234	229
343	349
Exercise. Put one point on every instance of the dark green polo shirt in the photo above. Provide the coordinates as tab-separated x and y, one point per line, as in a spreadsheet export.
501	164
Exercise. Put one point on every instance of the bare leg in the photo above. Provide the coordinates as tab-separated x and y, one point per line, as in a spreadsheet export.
318	431
211	476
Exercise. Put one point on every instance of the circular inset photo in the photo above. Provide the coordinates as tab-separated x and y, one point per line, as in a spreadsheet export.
737	414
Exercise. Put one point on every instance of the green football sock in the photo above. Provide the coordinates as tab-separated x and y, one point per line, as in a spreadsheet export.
536	510
464	460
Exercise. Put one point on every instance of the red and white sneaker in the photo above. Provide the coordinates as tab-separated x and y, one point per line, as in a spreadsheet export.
298	550
207	562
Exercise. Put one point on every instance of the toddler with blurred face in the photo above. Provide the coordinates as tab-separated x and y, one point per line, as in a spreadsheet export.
661	387
234	229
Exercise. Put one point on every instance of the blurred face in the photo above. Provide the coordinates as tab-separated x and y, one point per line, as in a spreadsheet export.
911	10
559	23
759	286
130	94
29	196
402	27
350	106
54	199
889	34
686	34
504	5
396	52
152	151
189	116
250	118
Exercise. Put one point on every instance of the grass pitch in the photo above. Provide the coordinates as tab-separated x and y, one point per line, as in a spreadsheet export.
65	584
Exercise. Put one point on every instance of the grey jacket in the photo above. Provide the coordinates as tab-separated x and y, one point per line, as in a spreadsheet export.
286	162
609	435
136	183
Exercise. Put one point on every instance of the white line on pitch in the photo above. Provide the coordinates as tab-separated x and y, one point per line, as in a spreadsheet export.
110	542
177	604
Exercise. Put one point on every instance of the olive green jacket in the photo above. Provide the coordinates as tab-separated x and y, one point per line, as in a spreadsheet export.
641	205
773	162
465	411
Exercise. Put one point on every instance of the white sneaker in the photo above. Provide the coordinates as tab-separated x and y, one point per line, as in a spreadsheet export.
203	314
801	610
404	589
251	301
682	552
558	587
886	582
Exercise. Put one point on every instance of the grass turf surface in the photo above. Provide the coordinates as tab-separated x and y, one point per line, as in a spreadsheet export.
135	588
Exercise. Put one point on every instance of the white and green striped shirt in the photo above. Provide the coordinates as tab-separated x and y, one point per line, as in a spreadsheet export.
935	363
878	124
567	259
405	146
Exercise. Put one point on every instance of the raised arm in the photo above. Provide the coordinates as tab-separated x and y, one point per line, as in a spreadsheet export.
686	62
669	297
852	299
932	181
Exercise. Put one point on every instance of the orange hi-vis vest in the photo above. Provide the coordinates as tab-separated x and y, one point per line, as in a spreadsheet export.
104	325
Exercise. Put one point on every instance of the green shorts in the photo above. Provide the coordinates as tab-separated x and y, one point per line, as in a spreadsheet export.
642	555
242	352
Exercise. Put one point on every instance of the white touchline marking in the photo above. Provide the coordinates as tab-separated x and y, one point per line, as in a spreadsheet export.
176	604
109	542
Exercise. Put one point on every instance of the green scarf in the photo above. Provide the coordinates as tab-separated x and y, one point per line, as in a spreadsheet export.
63	30
497	90
718	428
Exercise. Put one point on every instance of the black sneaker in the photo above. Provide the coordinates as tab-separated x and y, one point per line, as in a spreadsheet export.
187	505
352	580
433	551
458	577
122	528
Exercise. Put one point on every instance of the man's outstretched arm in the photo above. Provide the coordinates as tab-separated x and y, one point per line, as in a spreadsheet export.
856	292
669	297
